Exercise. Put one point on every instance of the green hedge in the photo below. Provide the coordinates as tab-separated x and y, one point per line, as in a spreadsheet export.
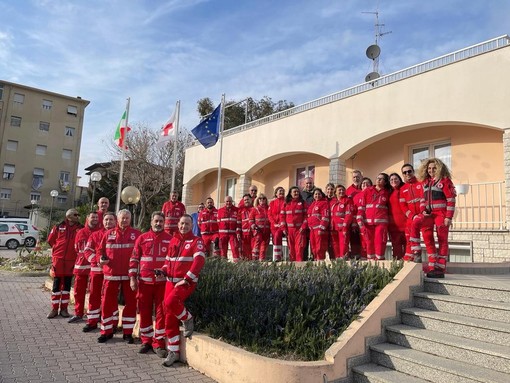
281	310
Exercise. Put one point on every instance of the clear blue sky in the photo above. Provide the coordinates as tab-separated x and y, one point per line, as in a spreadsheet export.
157	52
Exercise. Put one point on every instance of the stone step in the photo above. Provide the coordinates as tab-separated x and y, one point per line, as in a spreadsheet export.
493	356
374	373
459	325
431	367
471	307
495	288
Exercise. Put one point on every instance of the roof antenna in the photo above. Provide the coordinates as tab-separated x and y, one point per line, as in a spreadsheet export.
373	51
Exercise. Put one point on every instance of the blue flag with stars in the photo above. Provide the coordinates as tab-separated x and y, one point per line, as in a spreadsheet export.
207	132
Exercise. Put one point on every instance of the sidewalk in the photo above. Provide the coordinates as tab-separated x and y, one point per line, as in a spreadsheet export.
37	349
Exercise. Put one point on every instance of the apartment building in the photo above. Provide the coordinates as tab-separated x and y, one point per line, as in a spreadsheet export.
40	135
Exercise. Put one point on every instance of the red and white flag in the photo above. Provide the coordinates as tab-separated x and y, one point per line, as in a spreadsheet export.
168	131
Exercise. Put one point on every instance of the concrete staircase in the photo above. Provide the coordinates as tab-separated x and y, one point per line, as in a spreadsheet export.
457	331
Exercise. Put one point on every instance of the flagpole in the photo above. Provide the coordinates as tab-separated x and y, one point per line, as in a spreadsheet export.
174	162
222	120
123	150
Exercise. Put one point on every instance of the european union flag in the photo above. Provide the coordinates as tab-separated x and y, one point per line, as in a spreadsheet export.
207	132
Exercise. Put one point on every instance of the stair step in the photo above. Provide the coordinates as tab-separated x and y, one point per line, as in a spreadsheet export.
374	373
472	307
431	367
496	288
493	356
459	325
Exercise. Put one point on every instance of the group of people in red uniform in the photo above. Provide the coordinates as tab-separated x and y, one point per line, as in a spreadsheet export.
156	270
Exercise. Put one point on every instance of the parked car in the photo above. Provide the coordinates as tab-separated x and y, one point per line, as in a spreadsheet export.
11	236
30	232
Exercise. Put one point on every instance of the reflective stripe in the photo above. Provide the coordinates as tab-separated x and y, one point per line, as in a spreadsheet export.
116	278
133	271
120	245
146	259
193	277
82	267
182	314
175	280
173	348
174	339
96	268
128	319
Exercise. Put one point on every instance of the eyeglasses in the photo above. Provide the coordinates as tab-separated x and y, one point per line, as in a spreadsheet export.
407	171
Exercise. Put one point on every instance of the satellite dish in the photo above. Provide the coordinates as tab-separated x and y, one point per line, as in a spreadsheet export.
372	76
373	51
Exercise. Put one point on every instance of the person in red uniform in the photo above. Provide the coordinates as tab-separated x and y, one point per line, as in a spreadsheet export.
398	219
293	218
103	203
182	267
93	254
229	228
208	223
247	240
148	255
357	213
260	227
355	237
116	247
82	266
275	207
252	192
63	255
332	239
374	212
413	206
318	222
341	219
173	210
439	195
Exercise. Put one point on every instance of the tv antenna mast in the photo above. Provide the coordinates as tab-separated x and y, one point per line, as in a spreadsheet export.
374	51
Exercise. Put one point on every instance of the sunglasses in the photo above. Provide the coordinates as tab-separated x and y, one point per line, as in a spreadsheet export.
407	171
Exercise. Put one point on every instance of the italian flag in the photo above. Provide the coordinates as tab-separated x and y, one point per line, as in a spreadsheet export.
121	132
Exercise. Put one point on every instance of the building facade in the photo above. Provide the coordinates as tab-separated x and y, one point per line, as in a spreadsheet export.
40	135
452	107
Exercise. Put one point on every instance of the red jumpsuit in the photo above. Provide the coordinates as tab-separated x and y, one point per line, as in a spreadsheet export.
355	239
374	212
412	204
63	255
149	254
260	225
247	240
318	223
333	245
355	229
118	245
173	211
397	225
275	207
293	217
229	224
342	217
184	261
81	268
439	196
208	223
96	277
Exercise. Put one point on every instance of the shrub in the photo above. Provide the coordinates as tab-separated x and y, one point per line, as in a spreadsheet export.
281	310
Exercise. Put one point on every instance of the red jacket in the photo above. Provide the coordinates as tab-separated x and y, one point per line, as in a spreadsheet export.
374	206
259	218
82	264
173	211
352	190
229	221
318	215
118	245
342	214
275	208
411	198
208	221
439	196
244	213
185	258
63	253
149	254
293	214
398	218
92	251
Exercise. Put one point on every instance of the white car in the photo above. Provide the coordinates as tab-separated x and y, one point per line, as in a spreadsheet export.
11	236
30	232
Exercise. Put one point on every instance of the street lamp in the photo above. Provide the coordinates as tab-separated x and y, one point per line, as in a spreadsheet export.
53	194
94	177
32	203
130	195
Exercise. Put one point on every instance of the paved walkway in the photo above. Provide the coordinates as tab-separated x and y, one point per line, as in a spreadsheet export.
36	349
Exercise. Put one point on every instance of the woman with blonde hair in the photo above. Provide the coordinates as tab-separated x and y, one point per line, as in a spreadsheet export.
260	226
439	198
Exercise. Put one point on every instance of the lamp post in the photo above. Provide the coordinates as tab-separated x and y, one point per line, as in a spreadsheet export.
94	177
53	194
32	204
130	195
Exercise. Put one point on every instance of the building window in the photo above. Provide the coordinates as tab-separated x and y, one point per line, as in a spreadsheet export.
35	196
41	150
38	178
5	193
62	199
302	173
47	104
69	131
1	91
12	145
65	184
72	110
67	154
441	150
230	190
15	121
44	126
9	170
19	98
